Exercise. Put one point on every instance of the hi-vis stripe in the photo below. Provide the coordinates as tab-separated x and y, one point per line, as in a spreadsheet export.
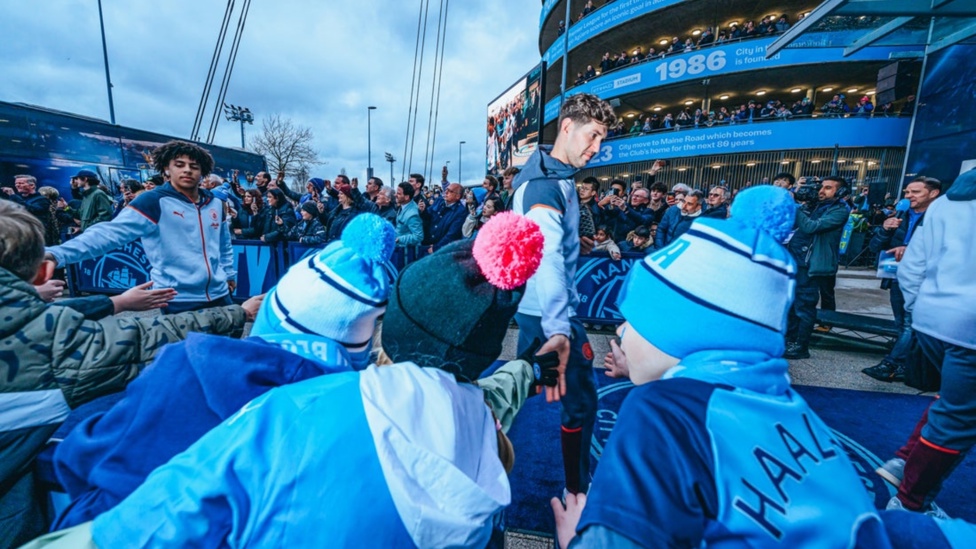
32	409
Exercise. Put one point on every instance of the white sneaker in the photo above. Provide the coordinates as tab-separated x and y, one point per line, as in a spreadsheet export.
892	471
931	509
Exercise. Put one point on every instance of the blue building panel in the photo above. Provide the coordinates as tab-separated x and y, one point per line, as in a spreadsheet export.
759	137
722	60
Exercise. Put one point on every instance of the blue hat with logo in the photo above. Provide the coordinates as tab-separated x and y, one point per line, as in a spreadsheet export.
726	284
338	293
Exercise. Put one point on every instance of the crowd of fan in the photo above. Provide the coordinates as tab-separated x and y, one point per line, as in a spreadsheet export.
768	26
757	111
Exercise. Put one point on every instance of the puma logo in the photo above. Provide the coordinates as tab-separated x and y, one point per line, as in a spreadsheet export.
179	214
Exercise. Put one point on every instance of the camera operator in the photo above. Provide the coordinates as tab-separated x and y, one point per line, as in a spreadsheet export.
815	246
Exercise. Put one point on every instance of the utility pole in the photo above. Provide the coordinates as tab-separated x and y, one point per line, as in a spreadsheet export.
391	160
108	78
459	159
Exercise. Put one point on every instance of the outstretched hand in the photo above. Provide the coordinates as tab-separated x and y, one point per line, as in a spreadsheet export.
559	344
545	368
615	362
141	298
568	517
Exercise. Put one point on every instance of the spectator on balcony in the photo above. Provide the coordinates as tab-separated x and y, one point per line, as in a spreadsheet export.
886	110
768	111
684	119
699	118
722	116
579	79
651	53
783	24
707	38
606	64
635	128
864	107
783	113
735	32
750	30
689	45
717	202
677	46
835	107
668	122
908	107
590	73
638	55
648	126
803	107
676	224
639	241
721	38
587	9
622	60
561	29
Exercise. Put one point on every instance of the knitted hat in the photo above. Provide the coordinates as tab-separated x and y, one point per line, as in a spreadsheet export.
459	325
337	293
311	207
726	284
344	189
318	183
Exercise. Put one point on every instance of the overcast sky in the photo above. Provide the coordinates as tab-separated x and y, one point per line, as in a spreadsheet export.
319	63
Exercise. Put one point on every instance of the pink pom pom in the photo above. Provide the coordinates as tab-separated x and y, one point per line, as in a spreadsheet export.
508	249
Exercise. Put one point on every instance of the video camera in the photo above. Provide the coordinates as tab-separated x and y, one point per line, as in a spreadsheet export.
808	193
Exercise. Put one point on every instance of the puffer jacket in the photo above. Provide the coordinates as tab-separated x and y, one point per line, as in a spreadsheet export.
52	360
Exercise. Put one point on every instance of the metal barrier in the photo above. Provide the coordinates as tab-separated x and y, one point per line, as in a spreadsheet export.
260	265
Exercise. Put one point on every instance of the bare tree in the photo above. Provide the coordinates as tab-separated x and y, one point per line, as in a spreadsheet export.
287	147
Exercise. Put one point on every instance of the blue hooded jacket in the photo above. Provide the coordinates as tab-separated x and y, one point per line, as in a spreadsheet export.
190	388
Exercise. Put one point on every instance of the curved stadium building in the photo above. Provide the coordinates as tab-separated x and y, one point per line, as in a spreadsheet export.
654	58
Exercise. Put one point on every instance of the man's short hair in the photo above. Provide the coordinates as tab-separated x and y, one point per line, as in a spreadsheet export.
49	193
379	182
30	178
389	192
593	182
620	182
724	189
407	189
345	180
839	179
492	182
164	154
584	108
511	170
131	184
787	176
21	241
931	183
659	187
419	178
697	194
681	188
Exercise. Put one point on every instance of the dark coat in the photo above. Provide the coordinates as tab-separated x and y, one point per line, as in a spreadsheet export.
447	224
273	232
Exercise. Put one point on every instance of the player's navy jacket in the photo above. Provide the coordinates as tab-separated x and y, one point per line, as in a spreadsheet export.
188	245
722	453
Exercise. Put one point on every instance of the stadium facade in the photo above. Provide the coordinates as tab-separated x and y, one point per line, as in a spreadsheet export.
864	148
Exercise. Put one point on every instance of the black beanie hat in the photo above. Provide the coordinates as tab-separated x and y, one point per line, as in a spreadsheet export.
459	325
311	207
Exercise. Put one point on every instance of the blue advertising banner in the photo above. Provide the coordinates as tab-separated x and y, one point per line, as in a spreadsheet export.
741	56
114	272
761	136
259	266
547	6
598	282
552	109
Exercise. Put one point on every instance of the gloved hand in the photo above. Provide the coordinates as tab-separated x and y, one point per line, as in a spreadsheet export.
543	366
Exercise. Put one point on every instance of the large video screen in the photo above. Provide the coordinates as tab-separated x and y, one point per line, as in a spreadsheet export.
514	123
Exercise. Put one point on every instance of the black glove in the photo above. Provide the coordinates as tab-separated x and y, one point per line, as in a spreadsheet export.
543	366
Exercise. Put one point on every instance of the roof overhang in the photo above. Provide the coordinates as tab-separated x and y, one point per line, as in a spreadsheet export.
951	21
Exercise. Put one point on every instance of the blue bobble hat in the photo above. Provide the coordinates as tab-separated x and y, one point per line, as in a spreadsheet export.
726	284
338	293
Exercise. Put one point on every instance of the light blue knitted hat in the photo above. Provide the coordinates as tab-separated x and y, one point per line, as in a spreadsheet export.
726	284
339	292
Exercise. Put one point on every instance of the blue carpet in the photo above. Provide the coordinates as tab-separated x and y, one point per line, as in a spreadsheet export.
870	426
